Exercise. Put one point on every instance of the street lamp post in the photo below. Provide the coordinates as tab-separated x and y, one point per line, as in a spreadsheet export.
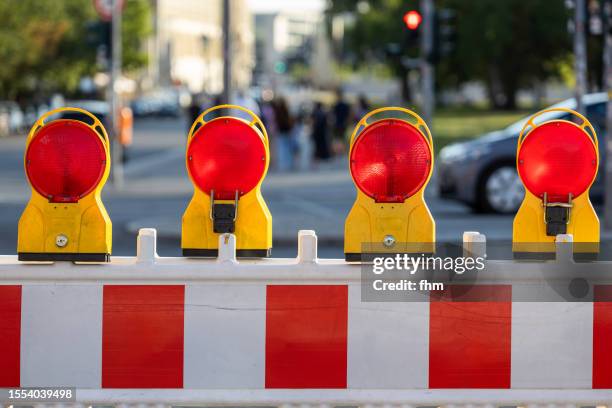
116	148
580	57
227	63
607	79
427	69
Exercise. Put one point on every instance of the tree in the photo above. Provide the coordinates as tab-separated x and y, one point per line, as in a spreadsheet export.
135	28
44	48
376	35
506	44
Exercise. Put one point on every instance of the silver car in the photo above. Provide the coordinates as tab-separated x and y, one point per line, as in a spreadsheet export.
482	172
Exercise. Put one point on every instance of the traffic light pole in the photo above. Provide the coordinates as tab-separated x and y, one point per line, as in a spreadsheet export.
227	63
607	55
580	53
116	147
427	69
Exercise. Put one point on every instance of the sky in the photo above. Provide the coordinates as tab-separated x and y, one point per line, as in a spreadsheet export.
267	6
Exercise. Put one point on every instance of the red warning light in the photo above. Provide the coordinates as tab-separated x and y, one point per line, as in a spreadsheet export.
413	19
390	161
226	155
557	158
65	161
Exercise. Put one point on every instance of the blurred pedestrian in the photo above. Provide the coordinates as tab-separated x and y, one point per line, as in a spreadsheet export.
320	132
267	113
363	107
302	139
243	99
285	143
193	110
268	117
341	115
216	101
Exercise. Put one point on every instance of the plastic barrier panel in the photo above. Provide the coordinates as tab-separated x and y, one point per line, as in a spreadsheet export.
298	330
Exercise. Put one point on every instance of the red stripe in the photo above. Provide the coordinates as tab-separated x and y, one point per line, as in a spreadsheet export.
469	337
306	330
10	335
142	336
602	337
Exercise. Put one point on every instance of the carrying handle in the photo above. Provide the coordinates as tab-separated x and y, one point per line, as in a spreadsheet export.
420	123
254	119
585	125
96	122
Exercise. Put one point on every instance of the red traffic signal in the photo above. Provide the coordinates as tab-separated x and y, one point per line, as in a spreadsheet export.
390	161
413	19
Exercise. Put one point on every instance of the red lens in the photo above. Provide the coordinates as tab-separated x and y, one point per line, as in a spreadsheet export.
390	161
557	158
65	160
226	155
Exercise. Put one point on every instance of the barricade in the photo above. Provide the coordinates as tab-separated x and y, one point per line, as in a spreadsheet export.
296	331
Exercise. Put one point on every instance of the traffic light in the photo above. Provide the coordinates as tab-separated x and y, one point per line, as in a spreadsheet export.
391	161
98	37
412	20
227	159
557	162
444	34
67	163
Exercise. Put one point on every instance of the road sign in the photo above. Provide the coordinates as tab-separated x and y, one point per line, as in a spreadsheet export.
227	159
557	162
391	161
105	8
67	163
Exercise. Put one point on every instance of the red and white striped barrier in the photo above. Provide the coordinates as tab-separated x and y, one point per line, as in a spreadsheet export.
260	326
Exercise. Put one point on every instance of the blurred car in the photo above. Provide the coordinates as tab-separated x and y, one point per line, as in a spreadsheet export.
12	118
482	172
98	108
163	103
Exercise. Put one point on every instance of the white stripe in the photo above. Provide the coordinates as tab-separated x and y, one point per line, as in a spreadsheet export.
61	336
388	343
552	344
225	336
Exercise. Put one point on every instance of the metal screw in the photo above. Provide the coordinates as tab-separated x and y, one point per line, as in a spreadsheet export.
61	241
389	241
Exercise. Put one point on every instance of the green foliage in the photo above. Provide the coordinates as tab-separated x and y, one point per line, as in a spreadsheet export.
41	47
507	44
135	27
44	48
367	40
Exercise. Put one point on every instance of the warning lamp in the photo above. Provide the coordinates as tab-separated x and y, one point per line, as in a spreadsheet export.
391	161
557	161
413	19
67	163
227	159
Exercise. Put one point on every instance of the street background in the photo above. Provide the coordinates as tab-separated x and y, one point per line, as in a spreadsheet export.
311	69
